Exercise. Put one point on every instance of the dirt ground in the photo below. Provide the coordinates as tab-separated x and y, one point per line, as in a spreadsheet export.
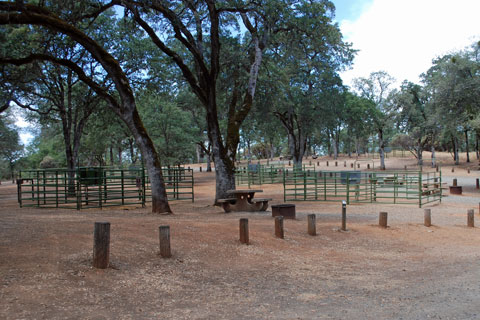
406	271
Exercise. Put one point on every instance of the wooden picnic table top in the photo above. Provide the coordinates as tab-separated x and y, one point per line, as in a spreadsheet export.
240	191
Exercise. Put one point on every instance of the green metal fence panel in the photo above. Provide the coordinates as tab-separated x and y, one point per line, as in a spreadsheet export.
97	187
404	187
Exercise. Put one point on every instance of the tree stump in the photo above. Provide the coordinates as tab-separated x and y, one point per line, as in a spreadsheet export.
164	241
279	227
101	245
244	238
382	220
312	228
427	214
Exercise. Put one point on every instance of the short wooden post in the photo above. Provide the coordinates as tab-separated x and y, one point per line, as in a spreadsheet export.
327	163
455	182
436	168
358	165
200	169
164	239
382	220
427	215
318	163
279	227
468	170
289	163
368	166
310	163
453	169
477	184
470	218
101	245
351	165
344	164
244	231
344	216
405	168
336	163
312	228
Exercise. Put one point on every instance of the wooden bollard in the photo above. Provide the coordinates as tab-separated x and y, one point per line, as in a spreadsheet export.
405	168
453	169
436	168
477	183
310	163
200	169
344	164
327	163
336	163
427	217
318	163
351	165
289	163
344	216
470	218
468	170
279	227
382	219
368	166
164	241
312	228
455	182
244	231
101	245
358	165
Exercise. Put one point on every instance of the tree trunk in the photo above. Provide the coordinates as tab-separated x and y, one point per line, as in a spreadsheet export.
209	162
477	152
466	146
455	150
381	149
433	156
419	153
152	162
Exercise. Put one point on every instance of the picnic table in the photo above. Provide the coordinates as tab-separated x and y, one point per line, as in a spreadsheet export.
244	200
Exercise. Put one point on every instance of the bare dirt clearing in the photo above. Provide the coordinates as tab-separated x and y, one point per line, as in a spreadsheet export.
406	271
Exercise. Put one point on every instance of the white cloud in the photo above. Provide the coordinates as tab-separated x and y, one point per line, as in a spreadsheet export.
403	36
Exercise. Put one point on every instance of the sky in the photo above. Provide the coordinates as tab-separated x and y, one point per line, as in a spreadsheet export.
402	37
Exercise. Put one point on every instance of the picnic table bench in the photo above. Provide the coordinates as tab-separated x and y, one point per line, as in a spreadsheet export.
243	200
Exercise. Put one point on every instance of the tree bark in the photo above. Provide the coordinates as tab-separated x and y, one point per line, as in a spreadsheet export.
381	150
466	146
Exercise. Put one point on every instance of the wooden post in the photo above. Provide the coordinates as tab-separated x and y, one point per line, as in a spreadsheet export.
310	163
453	169
344	164
477	184
244	231
368	166
327	163
351	165
468	170
318	163
344	216
164	239
455	182
436	168
312	229
382	220
336	163
470	218
279	227
405	168
101	245
427	215
358	165
200	168
289	163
